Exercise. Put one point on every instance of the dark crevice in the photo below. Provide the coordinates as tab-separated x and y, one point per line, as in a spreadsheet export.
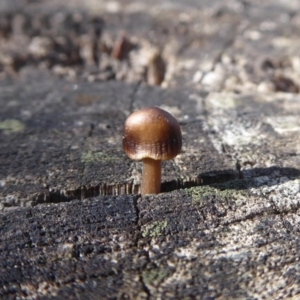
129	188
239	169
91	130
137	212
226	178
201	179
135	90
146	290
138	236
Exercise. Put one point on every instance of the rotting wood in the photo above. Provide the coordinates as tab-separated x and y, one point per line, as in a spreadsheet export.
234	237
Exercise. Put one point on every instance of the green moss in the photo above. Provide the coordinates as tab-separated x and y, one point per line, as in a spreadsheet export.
11	126
155	276
97	156
154	229
236	189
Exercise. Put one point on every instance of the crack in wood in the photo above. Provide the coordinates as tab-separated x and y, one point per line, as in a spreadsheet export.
128	188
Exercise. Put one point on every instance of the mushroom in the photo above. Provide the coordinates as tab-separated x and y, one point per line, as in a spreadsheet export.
151	135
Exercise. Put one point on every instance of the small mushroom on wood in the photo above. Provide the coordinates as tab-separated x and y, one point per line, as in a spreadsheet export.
151	135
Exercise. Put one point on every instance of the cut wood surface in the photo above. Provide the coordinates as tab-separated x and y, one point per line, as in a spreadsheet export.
72	222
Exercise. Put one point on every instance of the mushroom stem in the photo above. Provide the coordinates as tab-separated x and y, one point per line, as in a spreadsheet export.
151	178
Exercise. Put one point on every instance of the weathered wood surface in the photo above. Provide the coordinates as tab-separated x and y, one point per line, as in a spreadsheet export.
72	224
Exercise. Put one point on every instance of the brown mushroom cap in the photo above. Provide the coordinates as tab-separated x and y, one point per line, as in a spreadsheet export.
151	132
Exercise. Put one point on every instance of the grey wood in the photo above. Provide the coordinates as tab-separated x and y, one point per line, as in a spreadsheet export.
72	222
